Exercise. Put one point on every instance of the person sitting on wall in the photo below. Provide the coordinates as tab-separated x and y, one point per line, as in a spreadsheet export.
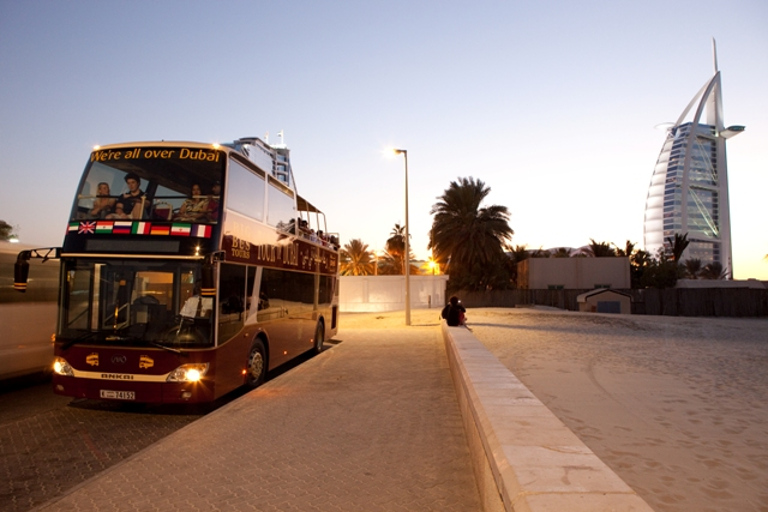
132	204
454	312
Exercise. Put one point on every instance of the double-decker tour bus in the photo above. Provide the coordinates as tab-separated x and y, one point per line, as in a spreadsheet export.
188	270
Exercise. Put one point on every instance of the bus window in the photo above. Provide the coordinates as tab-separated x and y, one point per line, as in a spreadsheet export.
165	177
282	206
245	191
166	202
231	300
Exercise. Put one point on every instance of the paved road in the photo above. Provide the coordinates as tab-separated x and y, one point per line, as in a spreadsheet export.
372	424
49	444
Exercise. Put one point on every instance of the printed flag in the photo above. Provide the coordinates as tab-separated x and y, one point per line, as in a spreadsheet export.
141	228
122	227
103	227
160	230
73	227
181	229
85	228
201	231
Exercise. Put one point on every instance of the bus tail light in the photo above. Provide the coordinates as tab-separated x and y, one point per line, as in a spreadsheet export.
61	367
192	372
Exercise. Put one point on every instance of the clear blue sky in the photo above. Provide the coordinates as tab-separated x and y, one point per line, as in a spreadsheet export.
552	104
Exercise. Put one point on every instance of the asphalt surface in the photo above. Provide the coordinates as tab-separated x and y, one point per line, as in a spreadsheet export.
370	424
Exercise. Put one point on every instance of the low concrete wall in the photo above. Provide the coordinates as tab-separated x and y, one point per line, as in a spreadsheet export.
525	459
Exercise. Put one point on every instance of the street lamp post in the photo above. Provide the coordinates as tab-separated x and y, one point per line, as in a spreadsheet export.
407	255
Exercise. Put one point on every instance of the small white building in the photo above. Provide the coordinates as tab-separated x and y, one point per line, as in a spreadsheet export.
363	294
605	300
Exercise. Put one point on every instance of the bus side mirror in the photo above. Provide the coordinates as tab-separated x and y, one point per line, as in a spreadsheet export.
21	272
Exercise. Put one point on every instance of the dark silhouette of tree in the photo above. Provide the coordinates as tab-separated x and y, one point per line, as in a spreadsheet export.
468	239
713	270
600	249
514	256
627	251
6	230
692	268
392	263
677	246
356	259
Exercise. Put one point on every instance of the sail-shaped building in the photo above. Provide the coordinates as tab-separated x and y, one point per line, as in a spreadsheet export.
689	188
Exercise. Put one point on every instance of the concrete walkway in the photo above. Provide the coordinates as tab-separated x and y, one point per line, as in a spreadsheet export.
370	424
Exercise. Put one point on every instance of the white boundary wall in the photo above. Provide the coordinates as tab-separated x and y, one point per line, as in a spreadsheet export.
361	294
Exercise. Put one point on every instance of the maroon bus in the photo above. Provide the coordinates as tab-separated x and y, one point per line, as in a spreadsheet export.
187	271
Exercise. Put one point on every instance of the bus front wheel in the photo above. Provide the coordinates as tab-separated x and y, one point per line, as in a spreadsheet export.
256	367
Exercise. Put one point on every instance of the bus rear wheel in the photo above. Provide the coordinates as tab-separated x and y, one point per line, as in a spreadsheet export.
319	337
256	367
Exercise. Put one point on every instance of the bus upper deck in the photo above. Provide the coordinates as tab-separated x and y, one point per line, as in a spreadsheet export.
175	188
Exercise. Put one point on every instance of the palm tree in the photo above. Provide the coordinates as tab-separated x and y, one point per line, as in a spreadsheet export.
713	270
514	256
356	259
393	261
562	252
692	267
627	251
599	249
468	239
678	245
518	253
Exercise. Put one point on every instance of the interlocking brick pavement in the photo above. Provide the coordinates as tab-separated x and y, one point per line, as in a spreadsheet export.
369	425
48	447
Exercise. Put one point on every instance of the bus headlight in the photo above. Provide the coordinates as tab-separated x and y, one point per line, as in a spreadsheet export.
61	367
192	372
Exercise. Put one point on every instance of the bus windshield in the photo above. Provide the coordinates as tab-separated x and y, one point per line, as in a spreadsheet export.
134	303
152	183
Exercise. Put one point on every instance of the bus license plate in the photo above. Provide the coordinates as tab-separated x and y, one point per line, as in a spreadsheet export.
117	395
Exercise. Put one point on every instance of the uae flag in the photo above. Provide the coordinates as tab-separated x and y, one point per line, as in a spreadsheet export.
159	230
122	227
201	231
74	227
141	228
181	229
103	227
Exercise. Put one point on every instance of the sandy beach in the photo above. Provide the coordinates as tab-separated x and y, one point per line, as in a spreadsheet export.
677	407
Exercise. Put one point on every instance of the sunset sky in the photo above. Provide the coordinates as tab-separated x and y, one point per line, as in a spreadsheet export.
551	104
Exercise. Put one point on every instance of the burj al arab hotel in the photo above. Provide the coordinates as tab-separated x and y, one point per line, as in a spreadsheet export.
689	187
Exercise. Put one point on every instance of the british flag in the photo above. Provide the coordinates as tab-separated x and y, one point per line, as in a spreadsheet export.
87	228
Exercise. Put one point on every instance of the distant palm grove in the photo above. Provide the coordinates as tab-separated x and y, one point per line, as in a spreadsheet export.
472	244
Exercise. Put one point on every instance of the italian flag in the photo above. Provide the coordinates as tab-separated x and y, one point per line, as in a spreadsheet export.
141	228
